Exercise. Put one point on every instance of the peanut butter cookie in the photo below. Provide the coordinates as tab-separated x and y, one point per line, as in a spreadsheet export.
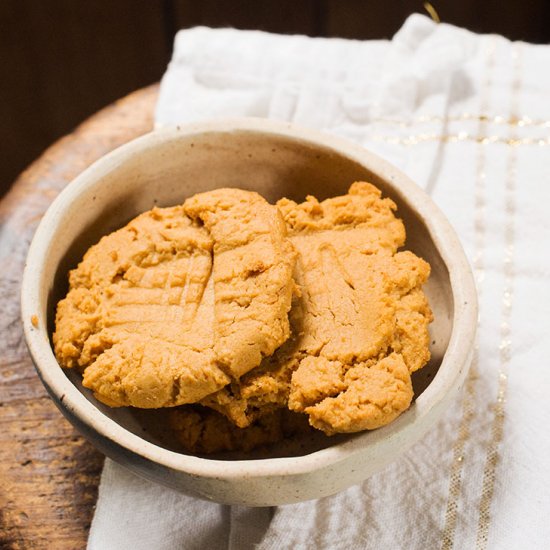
253	264
359	325
169	308
201	430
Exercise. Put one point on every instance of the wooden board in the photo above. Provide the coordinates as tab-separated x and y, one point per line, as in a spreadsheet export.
48	473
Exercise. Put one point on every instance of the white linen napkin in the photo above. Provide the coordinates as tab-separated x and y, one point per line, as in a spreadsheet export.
468	117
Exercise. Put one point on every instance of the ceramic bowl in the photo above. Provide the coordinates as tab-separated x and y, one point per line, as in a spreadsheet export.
276	159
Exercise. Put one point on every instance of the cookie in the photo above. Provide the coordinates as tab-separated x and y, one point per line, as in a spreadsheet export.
359	325
167	309
204	431
253	264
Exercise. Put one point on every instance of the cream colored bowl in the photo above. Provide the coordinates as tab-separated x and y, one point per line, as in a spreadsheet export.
275	159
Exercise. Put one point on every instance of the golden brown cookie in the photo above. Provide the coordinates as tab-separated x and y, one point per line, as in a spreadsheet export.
150	310
359	326
253	264
201	430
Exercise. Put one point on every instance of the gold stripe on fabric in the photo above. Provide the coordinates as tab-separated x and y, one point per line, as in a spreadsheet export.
455	478
415	139
497	428
523	121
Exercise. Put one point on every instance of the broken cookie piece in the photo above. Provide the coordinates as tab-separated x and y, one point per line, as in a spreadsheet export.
167	309
364	396
359	325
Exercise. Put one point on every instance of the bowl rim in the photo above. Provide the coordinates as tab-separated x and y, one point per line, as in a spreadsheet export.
450	374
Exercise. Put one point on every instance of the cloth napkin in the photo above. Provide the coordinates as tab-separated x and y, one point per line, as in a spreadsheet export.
468	117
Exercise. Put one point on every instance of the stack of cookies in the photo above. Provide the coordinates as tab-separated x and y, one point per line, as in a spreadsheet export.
251	321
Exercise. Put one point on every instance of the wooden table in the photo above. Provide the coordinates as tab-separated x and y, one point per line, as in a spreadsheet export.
48	473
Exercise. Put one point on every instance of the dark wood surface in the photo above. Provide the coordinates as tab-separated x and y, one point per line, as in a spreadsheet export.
48	473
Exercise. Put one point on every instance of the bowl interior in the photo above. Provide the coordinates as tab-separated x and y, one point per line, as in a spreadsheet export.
168	171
